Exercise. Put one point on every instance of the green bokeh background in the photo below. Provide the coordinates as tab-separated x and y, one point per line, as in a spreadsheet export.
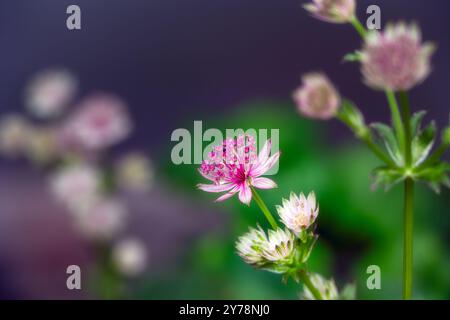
358	227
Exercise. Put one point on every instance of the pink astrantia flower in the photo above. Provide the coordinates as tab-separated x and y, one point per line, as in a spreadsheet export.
317	97
335	11
235	167
396	59
100	122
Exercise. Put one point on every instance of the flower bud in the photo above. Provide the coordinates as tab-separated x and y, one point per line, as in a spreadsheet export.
317	97
335	11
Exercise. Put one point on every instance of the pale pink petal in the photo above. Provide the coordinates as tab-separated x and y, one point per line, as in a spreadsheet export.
264	183
262	168
265	152
215	187
227	195
245	194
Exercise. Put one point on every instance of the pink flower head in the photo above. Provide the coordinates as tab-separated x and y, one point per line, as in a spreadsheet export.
100	122
317	97
335	11
396	59
234	166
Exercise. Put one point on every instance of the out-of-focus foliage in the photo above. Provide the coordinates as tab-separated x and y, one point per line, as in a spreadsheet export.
357	227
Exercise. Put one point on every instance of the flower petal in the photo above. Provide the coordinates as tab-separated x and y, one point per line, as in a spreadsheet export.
227	195
265	152
264	183
262	168
245	194
215	187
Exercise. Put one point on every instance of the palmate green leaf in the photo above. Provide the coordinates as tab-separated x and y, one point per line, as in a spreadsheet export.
386	177
422	143
387	135
436	176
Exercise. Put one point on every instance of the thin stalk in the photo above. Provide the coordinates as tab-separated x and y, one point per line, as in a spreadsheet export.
408	218
259	201
396	119
406	115
304	276
358	26
408	239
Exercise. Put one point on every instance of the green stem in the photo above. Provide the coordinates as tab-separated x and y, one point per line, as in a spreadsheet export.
358	26
408	202
406	115
259	201
304	276
408	239
396	119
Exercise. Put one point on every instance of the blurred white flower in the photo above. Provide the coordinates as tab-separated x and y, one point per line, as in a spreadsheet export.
42	145
99	122
327	288
76	186
299	212
103	219
50	92
130	256
135	172
14	133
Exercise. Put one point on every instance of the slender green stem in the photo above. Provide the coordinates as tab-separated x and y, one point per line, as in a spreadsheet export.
259	201
408	239
304	276
358	26
396	119
408	203
406	115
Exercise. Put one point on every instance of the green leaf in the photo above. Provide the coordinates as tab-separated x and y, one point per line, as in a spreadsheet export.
416	120
436	176
351	116
386	177
422	143
387	135
352	57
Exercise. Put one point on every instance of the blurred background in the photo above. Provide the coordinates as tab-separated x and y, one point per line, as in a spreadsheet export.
231	64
